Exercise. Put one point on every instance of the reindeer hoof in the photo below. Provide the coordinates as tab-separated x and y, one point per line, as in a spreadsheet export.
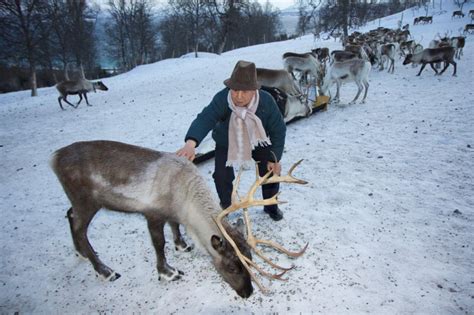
186	248
171	275
114	276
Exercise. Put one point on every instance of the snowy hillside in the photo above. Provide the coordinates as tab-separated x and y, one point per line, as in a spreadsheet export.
388	211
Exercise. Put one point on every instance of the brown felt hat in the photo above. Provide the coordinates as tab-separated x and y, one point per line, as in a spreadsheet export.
244	77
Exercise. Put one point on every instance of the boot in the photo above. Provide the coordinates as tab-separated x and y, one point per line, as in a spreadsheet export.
274	213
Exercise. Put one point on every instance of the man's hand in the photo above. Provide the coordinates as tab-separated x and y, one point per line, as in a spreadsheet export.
188	151
275	167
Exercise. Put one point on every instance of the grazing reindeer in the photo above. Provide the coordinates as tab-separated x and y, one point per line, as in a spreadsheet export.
468	28
426	19
303	62
431	56
354	70
81	87
165	189
161	186
457	14
280	79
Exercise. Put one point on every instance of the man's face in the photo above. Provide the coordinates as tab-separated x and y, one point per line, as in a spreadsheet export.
242	98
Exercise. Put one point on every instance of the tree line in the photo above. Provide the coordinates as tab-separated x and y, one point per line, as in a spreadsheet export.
336	17
59	35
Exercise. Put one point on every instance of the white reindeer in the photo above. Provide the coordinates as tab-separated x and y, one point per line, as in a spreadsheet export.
278	78
304	63
353	70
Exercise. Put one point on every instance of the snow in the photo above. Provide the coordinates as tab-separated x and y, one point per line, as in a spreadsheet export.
388	211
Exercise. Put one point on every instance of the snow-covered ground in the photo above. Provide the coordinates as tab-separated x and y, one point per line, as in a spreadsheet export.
388	212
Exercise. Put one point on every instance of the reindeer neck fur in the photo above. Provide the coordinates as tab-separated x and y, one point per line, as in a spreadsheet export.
200	210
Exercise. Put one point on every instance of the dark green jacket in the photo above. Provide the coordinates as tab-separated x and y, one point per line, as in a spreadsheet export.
216	115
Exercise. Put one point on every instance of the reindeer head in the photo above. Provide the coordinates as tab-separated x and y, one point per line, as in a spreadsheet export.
408	59
100	86
228	263
244	257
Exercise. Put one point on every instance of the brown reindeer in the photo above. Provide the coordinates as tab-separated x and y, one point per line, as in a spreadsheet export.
80	87
322	53
469	28
426	19
342	55
457	13
165	189
431	56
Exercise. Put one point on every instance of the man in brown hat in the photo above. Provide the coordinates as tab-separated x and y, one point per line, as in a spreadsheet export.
247	126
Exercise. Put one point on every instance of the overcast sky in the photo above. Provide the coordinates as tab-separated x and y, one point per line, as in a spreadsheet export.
281	4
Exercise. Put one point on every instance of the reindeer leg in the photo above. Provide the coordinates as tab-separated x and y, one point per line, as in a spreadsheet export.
87	101
65	99
434	69
80	217
179	243
359	90
366	85
338	85
155	226
446	65
80	99
455	66
423	67
60	104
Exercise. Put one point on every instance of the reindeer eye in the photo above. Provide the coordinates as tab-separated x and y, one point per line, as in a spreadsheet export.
234	269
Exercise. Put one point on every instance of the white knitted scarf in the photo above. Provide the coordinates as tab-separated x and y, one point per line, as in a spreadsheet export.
245	133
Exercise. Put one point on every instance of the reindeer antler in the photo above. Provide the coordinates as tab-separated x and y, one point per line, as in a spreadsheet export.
244	204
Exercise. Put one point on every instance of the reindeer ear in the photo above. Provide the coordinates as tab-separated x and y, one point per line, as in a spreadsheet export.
217	243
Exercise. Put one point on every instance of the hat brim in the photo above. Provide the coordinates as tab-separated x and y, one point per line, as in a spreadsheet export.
241	87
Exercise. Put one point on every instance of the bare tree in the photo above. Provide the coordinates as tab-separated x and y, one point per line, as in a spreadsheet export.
132	33
307	15
81	38
24	25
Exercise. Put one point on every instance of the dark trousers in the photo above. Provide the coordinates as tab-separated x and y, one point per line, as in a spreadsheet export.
224	176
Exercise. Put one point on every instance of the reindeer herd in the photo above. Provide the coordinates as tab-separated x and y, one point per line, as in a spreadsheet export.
378	48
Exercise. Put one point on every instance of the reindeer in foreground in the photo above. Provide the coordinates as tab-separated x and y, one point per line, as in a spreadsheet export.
165	189
431	56
80	87
354	70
